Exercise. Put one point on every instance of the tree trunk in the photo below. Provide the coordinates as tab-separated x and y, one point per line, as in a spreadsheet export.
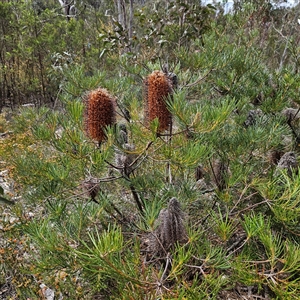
66	5
121	13
130	24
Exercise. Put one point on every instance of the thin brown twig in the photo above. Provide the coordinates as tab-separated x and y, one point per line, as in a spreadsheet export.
163	276
241	198
236	243
254	205
196	267
199	79
240	247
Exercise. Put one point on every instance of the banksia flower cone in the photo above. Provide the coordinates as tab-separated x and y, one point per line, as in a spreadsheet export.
99	113
157	88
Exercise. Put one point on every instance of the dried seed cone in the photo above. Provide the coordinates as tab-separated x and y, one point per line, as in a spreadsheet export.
274	156
157	88
220	173
199	173
99	113
288	162
170	229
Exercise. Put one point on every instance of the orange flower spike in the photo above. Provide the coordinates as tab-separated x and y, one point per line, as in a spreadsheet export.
158	86
99	113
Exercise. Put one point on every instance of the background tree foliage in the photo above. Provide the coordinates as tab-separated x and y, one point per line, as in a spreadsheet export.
207	209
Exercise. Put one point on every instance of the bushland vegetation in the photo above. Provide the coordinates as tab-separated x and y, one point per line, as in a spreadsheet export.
149	150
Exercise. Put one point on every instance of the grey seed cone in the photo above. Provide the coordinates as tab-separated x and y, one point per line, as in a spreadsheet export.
220	174
252	117
288	162
170	229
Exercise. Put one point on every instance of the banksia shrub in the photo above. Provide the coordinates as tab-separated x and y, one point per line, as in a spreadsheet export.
99	113
157	88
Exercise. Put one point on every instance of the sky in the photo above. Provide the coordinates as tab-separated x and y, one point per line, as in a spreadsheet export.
228	5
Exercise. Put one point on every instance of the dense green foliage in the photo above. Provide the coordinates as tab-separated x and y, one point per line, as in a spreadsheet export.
80	223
